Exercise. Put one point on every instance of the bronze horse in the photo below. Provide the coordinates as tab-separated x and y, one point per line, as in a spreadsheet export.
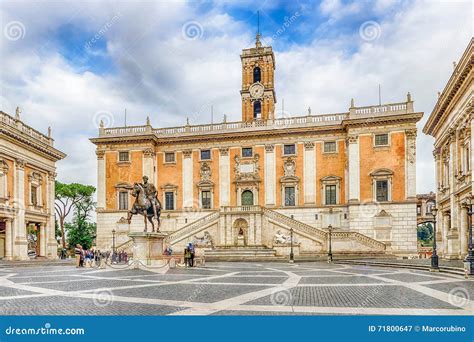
143	206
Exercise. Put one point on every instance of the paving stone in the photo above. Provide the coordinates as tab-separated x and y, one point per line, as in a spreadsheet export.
58	305
9	291
250	280
357	296
207	293
460	287
409	277
339	280
88	284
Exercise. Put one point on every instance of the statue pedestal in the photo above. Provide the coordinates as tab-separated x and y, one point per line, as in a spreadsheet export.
148	251
240	240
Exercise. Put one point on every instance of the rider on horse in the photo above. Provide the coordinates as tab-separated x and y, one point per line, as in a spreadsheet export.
151	194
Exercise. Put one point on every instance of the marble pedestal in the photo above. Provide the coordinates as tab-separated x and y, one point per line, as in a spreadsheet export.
148	251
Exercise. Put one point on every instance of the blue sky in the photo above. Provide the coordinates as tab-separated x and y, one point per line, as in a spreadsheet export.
68	64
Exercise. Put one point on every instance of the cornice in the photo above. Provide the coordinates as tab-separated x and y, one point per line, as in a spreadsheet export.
451	90
273	133
46	151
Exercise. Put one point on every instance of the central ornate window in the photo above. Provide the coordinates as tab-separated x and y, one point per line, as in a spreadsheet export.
247	197
290	196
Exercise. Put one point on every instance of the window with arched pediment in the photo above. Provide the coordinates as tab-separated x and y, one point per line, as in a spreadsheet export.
247	197
257	74
382	185
35	180
3	179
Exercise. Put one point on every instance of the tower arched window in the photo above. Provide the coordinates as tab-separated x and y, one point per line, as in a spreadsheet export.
257	74
257	109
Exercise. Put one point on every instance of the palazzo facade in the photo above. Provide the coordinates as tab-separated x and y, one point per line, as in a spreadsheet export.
451	124
245	187
27	182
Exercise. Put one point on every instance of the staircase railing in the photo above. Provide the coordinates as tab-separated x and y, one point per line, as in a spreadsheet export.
297	225
188	229
363	239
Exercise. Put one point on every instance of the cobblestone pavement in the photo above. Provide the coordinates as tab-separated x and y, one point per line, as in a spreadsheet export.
243	288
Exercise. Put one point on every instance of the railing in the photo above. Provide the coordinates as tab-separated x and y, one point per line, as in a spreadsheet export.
242	208
363	239
382	110
127	130
297	225
280	123
124	245
11	122
186	230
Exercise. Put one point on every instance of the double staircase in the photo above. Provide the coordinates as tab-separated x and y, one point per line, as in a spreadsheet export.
256	252
192	229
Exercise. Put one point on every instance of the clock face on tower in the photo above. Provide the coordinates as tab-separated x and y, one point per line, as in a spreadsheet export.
256	90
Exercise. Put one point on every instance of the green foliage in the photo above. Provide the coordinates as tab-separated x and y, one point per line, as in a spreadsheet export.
80	232
425	234
73	191
73	197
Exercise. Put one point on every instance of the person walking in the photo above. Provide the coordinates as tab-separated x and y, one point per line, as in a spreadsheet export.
191	256
77	253
187	257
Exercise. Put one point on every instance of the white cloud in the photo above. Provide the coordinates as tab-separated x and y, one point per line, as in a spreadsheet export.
158	72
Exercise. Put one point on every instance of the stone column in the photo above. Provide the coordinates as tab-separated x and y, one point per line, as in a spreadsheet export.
354	168
148	164
229	228
43	240
224	176
8	239
20	249
452	233
270	175
258	227
463	232
445	230
222	229
251	230
101	186
52	244
309	173
410	153
188	201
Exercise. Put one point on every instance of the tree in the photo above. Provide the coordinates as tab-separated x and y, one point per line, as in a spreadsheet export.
69	197
425	233
81	232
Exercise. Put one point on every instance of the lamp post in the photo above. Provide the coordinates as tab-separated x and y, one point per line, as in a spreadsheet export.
292	259
330	244
469	260
434	255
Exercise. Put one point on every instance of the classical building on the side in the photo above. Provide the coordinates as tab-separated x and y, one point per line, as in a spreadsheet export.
451	124
240	188
425	203
27	176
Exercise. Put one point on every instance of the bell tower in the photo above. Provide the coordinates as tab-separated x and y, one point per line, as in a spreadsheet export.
258	87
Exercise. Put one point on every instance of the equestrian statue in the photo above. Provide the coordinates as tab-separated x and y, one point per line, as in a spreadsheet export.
146	203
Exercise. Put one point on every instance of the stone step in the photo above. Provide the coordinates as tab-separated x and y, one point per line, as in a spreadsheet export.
240	253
